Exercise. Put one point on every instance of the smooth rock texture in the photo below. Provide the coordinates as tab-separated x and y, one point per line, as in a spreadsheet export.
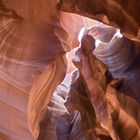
113	114
120	56
121	14
43	95
26	50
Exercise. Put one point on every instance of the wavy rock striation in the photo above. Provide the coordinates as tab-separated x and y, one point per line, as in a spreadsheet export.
114	115
120	14
34	38
27	48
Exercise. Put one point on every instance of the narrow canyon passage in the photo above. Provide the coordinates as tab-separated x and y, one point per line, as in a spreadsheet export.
69	70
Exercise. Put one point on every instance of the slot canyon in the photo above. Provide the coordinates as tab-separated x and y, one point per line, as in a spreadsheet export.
69	70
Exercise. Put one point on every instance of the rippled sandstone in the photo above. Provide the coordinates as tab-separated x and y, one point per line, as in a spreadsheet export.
40	95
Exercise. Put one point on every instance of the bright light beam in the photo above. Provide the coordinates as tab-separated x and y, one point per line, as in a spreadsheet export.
81	33
97	42
118	33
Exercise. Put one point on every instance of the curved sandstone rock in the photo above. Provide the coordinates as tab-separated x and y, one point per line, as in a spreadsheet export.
113	113
120	14
26	50
34	38
120	56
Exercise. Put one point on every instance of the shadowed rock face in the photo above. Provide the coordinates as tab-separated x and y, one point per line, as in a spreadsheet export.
27	48
116	13
105	97
120	56
41	98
